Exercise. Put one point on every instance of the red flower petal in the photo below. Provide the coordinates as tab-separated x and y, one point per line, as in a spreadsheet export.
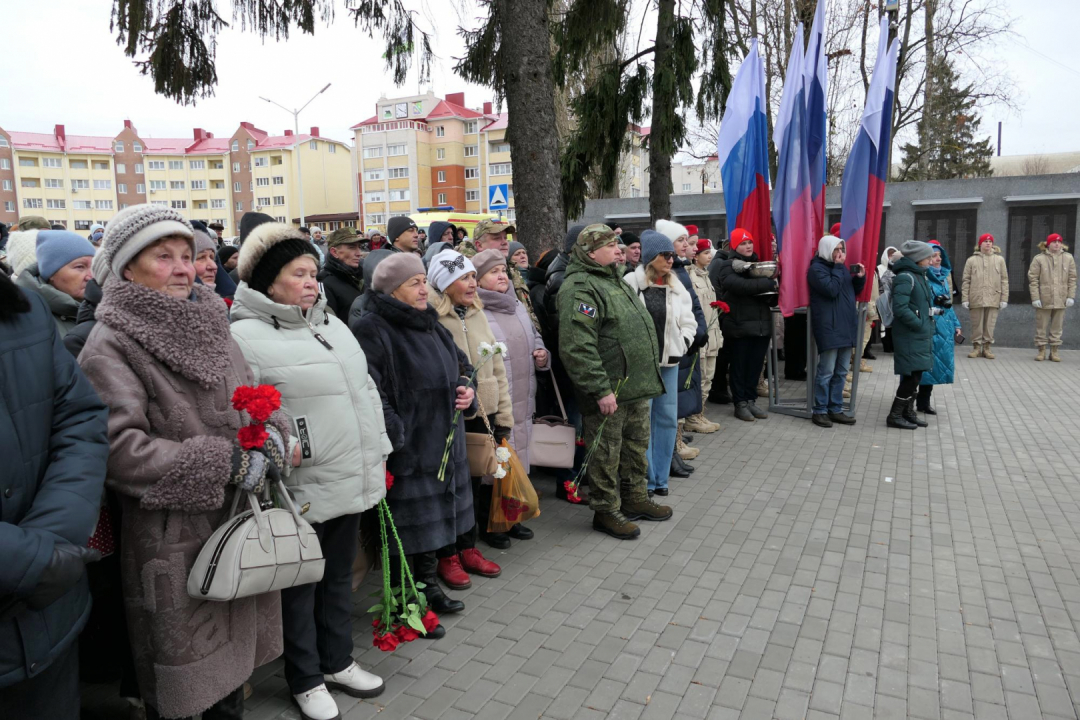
389	480
386	643
252	436
406	634
430	620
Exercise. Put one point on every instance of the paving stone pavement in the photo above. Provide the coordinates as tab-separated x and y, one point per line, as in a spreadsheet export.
855	572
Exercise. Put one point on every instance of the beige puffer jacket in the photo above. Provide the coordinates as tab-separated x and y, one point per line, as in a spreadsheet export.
706	294
986	281
1052	278
492	387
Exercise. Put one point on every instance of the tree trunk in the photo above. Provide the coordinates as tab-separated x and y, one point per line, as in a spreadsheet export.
928	89
663	87
530	101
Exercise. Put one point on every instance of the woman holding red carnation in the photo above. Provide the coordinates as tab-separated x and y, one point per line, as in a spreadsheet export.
292	342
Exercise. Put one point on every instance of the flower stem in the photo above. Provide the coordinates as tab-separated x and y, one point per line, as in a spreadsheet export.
595	443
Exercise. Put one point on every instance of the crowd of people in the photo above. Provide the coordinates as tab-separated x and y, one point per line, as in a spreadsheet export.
122	352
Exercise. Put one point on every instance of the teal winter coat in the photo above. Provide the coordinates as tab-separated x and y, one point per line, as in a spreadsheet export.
945	326
913	326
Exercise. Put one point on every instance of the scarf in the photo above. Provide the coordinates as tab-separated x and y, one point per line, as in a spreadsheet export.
354	275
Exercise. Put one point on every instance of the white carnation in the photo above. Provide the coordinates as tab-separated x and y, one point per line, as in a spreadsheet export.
500	472
502	454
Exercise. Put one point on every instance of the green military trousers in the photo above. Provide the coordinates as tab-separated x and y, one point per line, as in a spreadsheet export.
619	469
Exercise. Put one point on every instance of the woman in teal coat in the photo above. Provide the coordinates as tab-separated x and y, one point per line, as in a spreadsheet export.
913	330
946	330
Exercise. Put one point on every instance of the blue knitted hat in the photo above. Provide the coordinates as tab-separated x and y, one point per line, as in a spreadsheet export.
56	248
654	243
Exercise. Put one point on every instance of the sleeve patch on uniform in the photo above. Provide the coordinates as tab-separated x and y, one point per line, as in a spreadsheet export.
587	310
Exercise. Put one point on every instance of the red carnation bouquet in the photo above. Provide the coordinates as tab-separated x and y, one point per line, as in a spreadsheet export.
259	402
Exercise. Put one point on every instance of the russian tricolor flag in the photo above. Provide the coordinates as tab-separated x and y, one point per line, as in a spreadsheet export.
867	168
742	149
816	87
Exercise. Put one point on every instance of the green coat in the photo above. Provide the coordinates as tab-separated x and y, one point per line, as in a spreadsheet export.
913	326
605	334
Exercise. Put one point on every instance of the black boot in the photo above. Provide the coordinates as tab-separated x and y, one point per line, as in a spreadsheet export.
683	465
676	469
425	570
911	416
922	402
896	417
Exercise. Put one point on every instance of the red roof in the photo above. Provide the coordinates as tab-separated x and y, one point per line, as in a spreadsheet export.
165	146
208	146
498	122
374	119
448	109
88	144
35	141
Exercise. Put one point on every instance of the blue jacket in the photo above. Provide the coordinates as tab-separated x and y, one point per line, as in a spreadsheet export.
833	290
54	447
945	326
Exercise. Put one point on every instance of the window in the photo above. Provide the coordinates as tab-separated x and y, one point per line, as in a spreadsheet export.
373	152
138	168
83	224
77	164
103	205
5	164
440	131
51	162
197	164
176	164
313	145
442	176
511	215
239	207
179	204
472	173
440	154
121	188
236	167
1029	226
200	205
217	165
217	184
250	145
222	222
198	184
470	151
399	172
27	162
157	184
9	206
236	187
101	164
262	182
279	179
499	169
31	182
161	203
262	162
376	218
118	147
686	187
137	147
470	127
176	185
156	164
373	197
3	141
140	188
442	198
373	175
500	147
7	185
279	199
55	183
264	201
392	150
82	205
275	160
399	195
56	204
235	145
472	196
331	148
80	184
279	218
32	203
103	184
217	204
251	186
121	168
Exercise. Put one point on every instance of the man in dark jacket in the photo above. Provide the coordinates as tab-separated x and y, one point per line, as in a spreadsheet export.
341	276
608	341
833	289
403	235
53	439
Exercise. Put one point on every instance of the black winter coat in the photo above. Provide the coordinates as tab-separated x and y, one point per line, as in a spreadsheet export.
690	401
418	368
751	314
84	319
340	287
833	314
54	445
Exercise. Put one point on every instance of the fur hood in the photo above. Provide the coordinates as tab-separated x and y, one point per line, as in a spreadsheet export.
22	250
997	250
1042	247
190	337
258	241
251	304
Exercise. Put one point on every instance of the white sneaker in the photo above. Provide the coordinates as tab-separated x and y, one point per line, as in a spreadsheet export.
317	704
356	682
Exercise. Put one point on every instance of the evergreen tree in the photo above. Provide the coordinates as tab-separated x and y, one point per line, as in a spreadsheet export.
946	146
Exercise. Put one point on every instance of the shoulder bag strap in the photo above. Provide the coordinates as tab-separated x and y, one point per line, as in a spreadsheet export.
483	414
558	395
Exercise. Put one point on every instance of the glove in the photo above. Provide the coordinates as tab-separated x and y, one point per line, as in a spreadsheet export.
966	306
1002	306
61	574
936	311
501	433
274	450
249	468
1038	304
740	266
1069	302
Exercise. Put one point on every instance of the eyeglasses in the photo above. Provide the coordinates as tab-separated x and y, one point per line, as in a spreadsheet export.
666	255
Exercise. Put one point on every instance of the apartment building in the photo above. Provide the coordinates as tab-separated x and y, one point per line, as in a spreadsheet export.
77	180
696	177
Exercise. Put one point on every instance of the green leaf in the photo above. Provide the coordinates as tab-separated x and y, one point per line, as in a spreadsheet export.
376	608
416	624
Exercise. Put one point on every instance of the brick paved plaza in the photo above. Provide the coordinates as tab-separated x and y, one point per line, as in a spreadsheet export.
854	573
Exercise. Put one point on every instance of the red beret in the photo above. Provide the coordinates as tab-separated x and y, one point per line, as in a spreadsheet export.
986	238
739	236
704	244
691	230
835	230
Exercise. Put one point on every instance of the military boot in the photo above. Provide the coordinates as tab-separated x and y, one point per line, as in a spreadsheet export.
865	366
1054	357
682	449
700	424
988	353
645	510
1041	354
975	351
616	525
763	388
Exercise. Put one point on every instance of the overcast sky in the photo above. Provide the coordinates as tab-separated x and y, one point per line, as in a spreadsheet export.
62	65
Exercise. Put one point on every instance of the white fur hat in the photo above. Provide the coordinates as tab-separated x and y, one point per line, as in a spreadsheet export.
22	250
671	229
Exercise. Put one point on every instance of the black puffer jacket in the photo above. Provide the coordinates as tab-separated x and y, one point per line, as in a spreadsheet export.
341	286
751	313
84	319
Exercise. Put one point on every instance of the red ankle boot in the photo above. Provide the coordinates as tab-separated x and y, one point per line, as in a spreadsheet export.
451	573
477	564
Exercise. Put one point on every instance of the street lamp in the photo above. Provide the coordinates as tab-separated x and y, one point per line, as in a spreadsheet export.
296	129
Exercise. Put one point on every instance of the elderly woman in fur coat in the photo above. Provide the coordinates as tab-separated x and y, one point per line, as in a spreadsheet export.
162	359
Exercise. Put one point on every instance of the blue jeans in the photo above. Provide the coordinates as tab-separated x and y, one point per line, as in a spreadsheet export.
832	371
663	427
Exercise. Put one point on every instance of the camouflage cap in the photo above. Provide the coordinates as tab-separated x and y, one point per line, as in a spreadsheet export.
342	236
596	236
34	222
492	226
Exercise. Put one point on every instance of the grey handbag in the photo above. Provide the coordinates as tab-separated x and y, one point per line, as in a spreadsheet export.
554	439
258	551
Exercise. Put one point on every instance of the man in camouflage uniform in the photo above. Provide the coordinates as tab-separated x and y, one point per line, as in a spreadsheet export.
606	335
492	235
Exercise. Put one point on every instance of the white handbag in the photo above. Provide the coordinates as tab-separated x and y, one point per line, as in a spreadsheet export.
554	439
258	551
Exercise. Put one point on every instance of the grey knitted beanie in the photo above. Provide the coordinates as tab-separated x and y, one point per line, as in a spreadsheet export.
134	229
652	244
